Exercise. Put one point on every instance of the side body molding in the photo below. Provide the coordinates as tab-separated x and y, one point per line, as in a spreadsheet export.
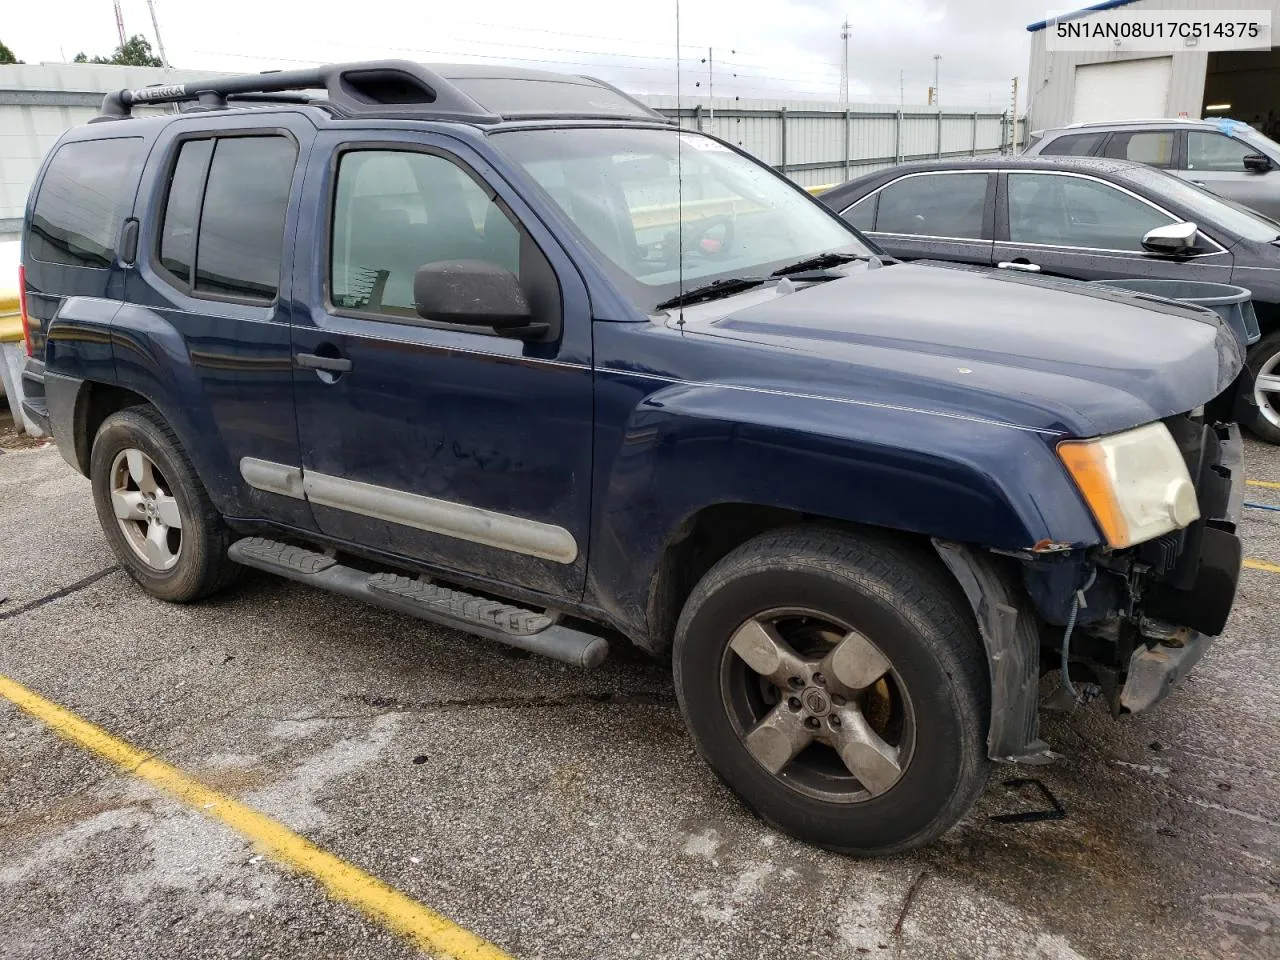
460	520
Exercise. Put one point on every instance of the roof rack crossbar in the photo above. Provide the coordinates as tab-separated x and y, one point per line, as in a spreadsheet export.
352	89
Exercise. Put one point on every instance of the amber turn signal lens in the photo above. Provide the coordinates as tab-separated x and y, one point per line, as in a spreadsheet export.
1086	461
1135	482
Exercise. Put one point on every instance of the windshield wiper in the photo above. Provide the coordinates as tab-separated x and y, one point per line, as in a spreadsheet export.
820	262
711	291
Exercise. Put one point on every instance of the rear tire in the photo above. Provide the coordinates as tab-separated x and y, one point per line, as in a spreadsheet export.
154	510
871	652
1264	360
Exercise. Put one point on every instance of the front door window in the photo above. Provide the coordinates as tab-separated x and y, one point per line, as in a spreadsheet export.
1068	211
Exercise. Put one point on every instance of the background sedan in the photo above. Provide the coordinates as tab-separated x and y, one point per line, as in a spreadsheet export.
1087	219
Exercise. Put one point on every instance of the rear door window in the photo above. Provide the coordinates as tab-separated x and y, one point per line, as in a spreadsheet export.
85	195
178	234
863	213
1154	148
241	236
222	232
1073	145
946	205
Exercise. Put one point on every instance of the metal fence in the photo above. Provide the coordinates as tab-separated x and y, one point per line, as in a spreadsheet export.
817	143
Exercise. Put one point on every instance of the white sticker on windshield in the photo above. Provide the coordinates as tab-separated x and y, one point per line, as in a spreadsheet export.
704	143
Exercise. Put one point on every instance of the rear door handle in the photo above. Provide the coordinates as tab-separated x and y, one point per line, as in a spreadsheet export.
313	361
1014	265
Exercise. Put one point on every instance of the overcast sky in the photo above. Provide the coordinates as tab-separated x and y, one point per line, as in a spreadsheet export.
760	48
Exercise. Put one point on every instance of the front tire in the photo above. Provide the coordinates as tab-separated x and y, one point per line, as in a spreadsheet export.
154	510
837	684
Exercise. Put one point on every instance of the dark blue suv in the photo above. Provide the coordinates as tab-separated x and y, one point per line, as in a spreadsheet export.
508	351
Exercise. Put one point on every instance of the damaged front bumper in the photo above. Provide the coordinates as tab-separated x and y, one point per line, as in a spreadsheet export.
1197	594
1155	671
1148	616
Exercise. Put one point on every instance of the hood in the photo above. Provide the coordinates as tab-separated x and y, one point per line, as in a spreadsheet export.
1055	355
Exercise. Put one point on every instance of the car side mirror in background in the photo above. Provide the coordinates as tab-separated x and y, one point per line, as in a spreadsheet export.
1171	238
1257	163
475	293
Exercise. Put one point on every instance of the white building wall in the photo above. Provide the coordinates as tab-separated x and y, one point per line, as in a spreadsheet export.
1051	76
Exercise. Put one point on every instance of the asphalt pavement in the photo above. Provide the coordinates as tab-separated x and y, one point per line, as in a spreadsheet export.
562	814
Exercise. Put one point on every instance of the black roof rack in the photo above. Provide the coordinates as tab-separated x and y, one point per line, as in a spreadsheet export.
374	87
402	89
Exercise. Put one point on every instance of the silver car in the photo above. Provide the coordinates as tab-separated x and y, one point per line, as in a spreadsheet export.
1228	157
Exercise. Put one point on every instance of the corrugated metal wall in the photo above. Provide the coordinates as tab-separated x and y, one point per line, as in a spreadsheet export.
816	143
1051	76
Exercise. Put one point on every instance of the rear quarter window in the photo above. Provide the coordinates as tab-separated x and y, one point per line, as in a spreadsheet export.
84	197
1073	145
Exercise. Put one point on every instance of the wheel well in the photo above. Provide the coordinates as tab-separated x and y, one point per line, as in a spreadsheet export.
97	402
704	539
1268	317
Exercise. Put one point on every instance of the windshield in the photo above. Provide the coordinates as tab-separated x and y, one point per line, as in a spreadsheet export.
1202	204
632	199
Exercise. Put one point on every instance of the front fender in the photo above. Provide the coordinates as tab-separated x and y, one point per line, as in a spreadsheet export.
688	446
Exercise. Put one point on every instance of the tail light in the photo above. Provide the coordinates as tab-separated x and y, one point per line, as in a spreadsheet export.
22	309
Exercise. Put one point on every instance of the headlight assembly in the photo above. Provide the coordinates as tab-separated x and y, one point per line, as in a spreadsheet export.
1135	483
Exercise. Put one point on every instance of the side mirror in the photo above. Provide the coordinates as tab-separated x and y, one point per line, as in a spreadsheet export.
1172	238
476	293
1257	163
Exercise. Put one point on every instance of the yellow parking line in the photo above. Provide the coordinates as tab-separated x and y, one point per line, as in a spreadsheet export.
1262	565
1269	484
426	928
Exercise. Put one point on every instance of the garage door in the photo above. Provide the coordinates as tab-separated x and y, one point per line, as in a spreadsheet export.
1122	90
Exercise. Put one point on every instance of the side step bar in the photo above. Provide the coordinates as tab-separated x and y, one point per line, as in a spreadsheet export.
492	619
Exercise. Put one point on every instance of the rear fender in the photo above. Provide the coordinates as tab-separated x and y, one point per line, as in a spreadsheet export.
153	361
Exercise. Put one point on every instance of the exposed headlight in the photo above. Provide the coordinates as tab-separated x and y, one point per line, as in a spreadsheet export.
1135	483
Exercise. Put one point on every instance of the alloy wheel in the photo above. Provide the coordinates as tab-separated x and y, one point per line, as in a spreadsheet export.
146	509
818	705
1266	389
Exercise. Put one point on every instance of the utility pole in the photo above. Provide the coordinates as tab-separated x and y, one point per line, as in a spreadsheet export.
1014	123
119	22
711	89
902	89
937	100
844	63
155	25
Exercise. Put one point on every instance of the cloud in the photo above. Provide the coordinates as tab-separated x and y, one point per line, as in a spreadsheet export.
768	48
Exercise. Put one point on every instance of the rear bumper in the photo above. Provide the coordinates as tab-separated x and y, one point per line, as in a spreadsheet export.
34	403
52	400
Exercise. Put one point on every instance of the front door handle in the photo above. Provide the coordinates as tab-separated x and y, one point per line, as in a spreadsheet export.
313	361
1015	265
1198	183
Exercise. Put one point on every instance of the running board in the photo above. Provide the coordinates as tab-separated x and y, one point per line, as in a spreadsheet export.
515	626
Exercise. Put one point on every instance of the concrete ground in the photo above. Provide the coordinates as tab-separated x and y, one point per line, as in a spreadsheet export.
557	813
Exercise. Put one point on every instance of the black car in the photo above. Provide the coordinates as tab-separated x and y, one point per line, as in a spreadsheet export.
1084	218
